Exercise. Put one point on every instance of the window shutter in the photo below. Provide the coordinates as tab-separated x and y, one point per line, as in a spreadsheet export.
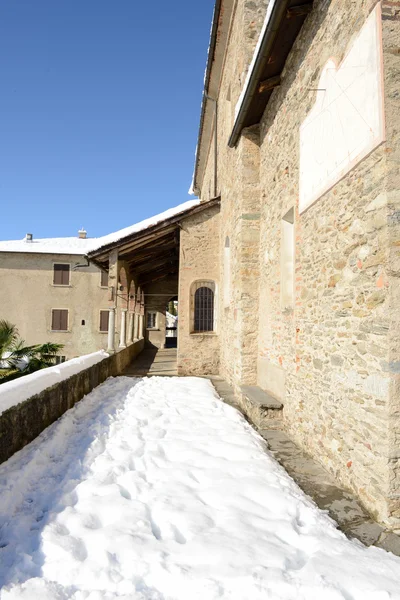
65	274
104	316
64	320
104	279
57	280
55	320
61	275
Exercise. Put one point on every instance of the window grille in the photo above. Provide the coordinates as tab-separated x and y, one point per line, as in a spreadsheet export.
151	320
204	309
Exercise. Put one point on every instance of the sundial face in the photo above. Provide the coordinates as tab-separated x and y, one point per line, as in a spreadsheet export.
347	120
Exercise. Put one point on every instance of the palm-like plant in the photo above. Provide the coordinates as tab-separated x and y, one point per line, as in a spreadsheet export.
13	353
8	337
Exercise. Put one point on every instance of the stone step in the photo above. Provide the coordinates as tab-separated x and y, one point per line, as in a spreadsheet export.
260	407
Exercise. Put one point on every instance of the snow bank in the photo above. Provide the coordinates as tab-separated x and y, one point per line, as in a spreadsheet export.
154	489
18	390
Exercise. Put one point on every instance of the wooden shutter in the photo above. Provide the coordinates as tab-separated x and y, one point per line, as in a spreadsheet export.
104	315
104	279
55	320
61	275
204	309
64	320
59	320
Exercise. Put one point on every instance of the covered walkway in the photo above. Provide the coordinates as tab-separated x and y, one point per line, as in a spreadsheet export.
153	361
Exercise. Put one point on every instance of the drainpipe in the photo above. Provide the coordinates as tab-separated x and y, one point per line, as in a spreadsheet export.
215	144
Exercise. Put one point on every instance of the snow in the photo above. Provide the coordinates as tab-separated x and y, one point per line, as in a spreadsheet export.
118	235
154	489
75	245
255	54
66	245
16	391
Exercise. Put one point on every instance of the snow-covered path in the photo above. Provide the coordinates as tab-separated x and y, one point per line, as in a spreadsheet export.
155	489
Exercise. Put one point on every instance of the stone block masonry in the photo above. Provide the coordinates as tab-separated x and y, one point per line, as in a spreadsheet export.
333	356
198	353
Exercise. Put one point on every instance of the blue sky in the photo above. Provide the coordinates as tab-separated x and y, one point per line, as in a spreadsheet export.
99	111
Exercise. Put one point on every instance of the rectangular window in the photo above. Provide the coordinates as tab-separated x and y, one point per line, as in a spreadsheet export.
61	274
151	320
287	260
59	359
104	315
104	279
56	360
59	319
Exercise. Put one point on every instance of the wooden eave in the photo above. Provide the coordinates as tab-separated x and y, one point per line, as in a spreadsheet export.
153	252
286	20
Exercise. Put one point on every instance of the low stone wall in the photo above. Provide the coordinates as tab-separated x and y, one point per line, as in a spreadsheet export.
22	423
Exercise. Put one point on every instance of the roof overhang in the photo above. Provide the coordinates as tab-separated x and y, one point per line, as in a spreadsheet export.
212	79
281	27
151	253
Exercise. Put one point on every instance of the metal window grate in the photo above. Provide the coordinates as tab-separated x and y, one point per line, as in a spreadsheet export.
204	309
151	320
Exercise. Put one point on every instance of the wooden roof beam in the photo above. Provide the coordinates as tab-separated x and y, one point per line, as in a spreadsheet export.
299	11
269	84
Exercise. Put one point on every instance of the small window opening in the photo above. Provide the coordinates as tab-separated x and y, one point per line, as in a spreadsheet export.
83	321
151	320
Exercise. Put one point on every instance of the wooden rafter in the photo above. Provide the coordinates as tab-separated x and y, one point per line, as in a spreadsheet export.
269	84
299	11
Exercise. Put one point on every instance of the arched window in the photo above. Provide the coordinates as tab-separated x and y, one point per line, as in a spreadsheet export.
203	306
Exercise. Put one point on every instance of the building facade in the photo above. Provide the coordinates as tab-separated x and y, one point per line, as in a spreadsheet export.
52	294
299	136
287	272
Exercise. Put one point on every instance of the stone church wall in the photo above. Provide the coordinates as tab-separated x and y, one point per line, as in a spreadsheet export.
198	353
332	354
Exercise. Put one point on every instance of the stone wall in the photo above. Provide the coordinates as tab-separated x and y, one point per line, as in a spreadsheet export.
328	354
21	424
333	356
198	353
391	42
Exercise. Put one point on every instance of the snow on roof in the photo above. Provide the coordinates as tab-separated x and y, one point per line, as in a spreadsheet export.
66	245
118	235
75	245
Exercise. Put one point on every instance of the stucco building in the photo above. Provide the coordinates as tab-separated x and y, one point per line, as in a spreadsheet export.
287	272
52	294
